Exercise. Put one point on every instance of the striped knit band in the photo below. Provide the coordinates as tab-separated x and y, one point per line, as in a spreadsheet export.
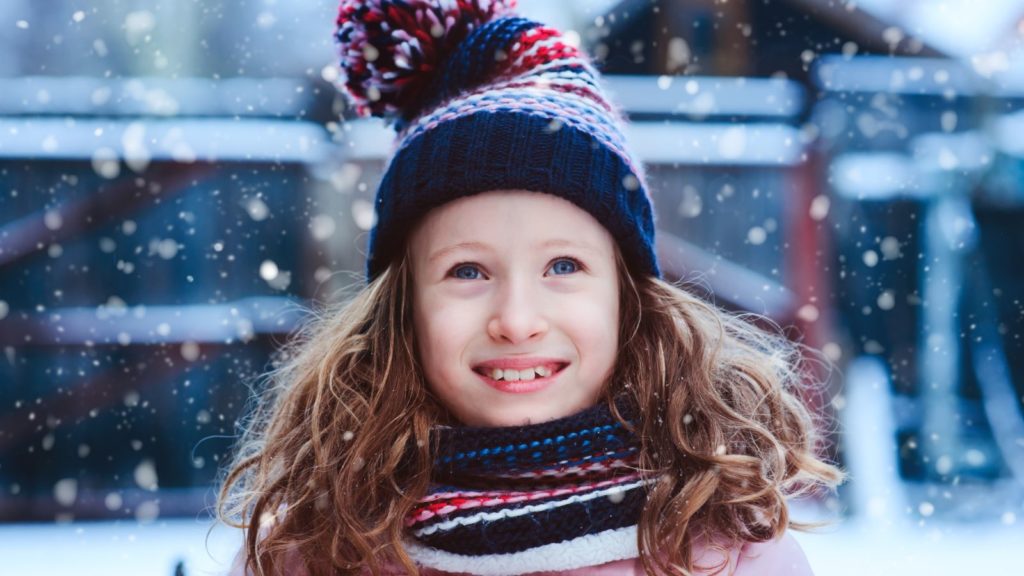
589	550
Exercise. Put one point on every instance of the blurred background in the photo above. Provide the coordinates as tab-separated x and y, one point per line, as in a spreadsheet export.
179	179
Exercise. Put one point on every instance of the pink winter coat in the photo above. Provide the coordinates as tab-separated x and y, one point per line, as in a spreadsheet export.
783	557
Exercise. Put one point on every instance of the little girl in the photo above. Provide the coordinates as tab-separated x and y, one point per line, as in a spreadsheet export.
516	390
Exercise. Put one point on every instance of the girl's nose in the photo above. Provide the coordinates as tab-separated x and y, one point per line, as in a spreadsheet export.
518	316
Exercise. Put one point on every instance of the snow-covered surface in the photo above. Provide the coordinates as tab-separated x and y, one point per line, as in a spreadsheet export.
932	548
117	548
850	548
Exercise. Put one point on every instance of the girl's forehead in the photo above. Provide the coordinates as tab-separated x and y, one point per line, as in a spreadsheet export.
480	212
498	219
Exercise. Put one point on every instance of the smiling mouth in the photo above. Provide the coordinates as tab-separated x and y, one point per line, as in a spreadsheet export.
519	385
542	372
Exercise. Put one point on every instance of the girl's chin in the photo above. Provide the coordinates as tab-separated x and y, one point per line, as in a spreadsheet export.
495	416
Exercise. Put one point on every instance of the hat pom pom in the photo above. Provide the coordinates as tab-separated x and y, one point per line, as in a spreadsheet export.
391	49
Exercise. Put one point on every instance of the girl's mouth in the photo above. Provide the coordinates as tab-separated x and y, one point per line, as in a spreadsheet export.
521	381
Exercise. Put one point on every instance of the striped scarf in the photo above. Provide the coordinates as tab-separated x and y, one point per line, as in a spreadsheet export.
541	497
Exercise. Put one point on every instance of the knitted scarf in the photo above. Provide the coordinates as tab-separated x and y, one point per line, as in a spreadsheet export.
540	497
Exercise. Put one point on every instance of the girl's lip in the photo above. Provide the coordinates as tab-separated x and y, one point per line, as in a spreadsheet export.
519	363
521	386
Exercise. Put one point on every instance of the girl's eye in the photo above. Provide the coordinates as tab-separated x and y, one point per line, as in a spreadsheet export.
465	272
565	265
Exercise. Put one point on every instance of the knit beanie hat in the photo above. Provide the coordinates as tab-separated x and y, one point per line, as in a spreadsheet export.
483	100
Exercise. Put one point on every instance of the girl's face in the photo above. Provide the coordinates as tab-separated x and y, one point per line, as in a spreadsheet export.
515	305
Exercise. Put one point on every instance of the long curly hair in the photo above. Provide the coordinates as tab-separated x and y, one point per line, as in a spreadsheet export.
339	448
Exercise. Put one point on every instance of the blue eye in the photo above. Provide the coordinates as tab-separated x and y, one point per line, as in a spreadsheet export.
565	266
465	272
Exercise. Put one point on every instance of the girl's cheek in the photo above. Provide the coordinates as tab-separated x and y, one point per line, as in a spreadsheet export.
455	299
588	302
463	290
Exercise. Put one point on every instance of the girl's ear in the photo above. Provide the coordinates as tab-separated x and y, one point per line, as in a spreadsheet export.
404	262
406	287
630	301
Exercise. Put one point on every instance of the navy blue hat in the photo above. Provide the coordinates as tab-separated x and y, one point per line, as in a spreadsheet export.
481	101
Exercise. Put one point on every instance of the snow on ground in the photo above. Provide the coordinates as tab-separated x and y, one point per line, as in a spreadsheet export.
933	549
852	548
116	548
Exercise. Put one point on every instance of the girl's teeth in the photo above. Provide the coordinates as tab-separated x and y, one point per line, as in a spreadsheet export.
525	374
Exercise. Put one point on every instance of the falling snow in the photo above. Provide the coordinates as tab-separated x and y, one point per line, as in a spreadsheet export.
181	179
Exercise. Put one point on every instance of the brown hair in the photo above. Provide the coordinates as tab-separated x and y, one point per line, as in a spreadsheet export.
339	449
723	426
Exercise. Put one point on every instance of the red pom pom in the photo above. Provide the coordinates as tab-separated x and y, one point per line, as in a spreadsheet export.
391	49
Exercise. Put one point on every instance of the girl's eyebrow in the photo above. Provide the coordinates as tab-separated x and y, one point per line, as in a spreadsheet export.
562	243
556	243
460	246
